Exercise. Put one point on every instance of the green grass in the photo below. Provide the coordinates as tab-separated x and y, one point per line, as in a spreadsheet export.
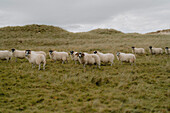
69	87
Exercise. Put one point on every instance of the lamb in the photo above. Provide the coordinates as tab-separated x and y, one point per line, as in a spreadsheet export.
36	59
18	54
54	55
155	50
138	50
167	50
74	56
126	57
89	59
108	57
5	54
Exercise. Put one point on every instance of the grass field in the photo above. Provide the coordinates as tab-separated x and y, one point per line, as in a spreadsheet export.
70	88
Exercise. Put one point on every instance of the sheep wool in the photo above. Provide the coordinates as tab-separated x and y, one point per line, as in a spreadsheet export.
18	54
54	55
89	59
35	59
126	57
155	50
40	52
108	57
74	57
5	55
138	50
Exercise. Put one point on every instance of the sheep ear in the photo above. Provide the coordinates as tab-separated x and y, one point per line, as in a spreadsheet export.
83	54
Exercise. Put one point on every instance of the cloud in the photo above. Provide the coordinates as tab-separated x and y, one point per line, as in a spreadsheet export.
84	15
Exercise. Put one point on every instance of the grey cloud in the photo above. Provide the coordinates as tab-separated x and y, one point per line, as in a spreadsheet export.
83	15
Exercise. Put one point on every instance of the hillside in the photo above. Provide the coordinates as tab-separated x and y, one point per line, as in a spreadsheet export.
121	88
33	28
105	31
165	31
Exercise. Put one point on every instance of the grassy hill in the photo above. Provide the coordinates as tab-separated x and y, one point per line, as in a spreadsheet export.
105	31
69	87
165	31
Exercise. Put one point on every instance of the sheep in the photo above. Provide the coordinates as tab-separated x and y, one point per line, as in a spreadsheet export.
89	59
5	54
138	50
167	50
54	55
21	53
74	56
155	50
18	54
36	59
126	57
108	57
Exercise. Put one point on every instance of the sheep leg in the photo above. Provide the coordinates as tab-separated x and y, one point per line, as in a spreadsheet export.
33	66
39	66
99	66
7	59
62	62
44	66
16	60
75	62
112	63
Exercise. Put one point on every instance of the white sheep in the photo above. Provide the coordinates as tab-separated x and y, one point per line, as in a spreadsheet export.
18	54
54	55
74	56
138	50
167	50
5	54
89	59
36	59
108	57
126	57
155	50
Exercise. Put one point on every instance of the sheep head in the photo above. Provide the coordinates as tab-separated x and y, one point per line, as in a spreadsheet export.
95	52
81	55
27	52
50	51
71	52
12	50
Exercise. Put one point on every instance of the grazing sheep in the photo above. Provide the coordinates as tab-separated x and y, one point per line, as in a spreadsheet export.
54	55
89	59
167	50
5	54
74	56
138	50
155	50
126	57
108	57
34	58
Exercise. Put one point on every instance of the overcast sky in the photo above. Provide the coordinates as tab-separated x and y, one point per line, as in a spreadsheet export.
83	15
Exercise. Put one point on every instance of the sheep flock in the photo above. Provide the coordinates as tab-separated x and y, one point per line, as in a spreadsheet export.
95	58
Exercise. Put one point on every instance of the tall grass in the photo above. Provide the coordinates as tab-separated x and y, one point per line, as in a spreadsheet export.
69	87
